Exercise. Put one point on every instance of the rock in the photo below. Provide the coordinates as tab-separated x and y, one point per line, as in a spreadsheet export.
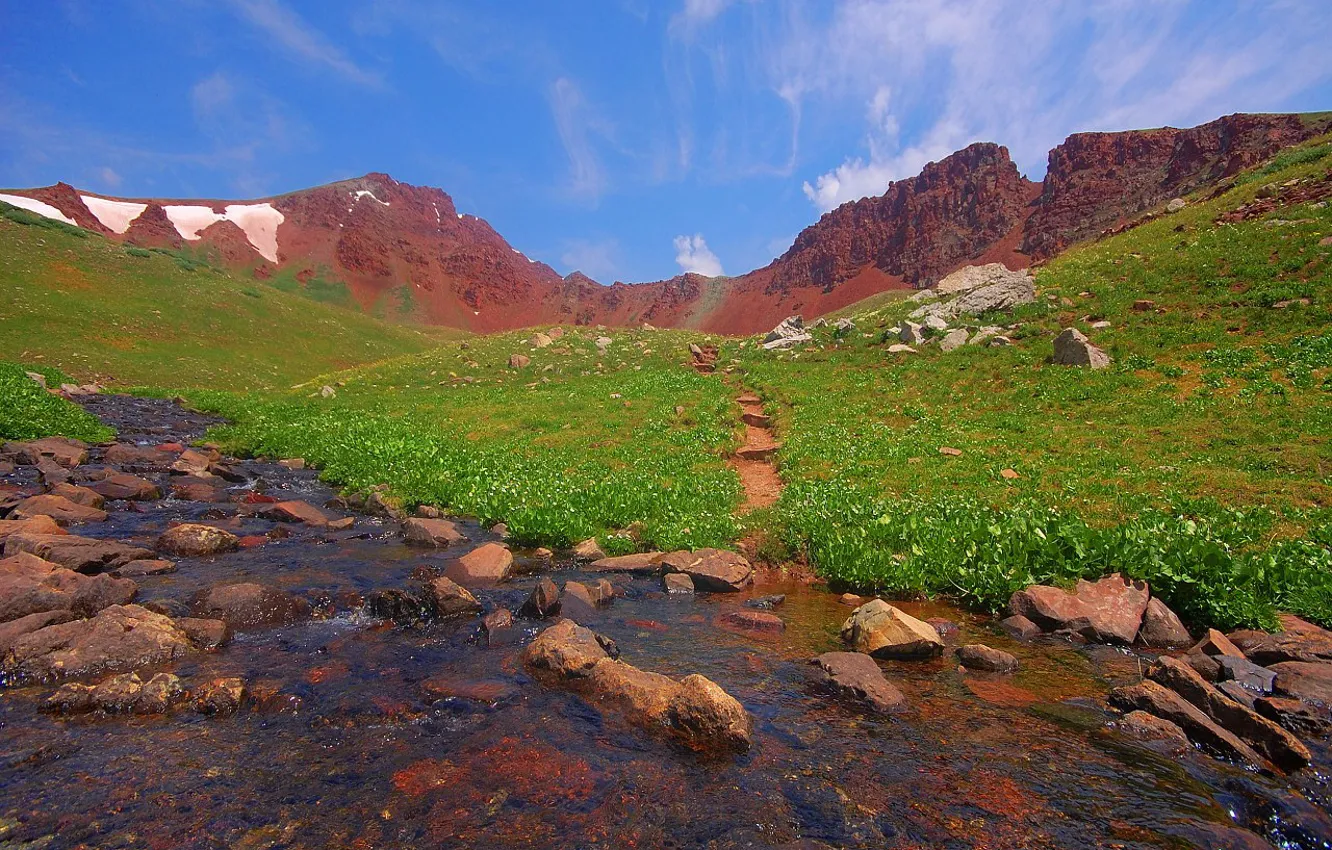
1142	305
51	473
1014	289
397	606
707	717
766	603
1294	715
1273	649
138	569
294	511
883	631
519	361
978	656
1215	643
197	490
293	463
220	696
70	698
1297	626
64	451
327	392
646	563
1160	626
677	583
117	694
843	326
856	676
603	342
204	633
448	598
1020	627
946	628
118	638
588	550
644	697
850	599
437	533
935	323
754	621
540	340
788	334
81	554
1072	348
193	540
954	340
12	630
565	649
79	495
1108	611
1278	745
1175	205
1235	691
544	600
159	694
1101	325
248	605
713	570
1206	666
949	451
1155	699
36	525
1009	474
1245	673
1149	727
968	278
498	627
58	508
122	485
1304	680
489	563
911	333
900	348
578	600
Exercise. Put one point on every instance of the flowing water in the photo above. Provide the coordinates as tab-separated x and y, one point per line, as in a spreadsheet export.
365	735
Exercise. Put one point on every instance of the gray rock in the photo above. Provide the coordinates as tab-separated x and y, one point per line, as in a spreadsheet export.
1247	674
911	333
1071	348
968	278
1175	205
954	340
1016	289
856	676
935	323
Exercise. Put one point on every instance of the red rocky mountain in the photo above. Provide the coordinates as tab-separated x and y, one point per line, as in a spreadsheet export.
391	242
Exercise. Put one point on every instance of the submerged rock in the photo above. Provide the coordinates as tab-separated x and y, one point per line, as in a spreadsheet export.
978	656
247	605
856	676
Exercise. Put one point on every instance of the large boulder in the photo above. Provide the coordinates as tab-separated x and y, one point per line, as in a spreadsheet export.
193	540
790	333
712	570
81	554
249	605
1108	611
1278	745
856	676
489	563
883	631
1005	294
565	649
968	278
1072	348
1161	627
117	639
436	533
706	717
58	508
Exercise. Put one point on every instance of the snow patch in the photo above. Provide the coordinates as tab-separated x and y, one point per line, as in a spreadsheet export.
36	206
115	216
361	193
259	222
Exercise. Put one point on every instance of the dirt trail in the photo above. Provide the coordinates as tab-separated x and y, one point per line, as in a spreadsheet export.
753	461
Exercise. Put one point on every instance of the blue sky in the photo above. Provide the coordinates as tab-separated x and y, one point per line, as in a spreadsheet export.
628	138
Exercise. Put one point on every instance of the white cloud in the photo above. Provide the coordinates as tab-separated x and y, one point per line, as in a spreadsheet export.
294	34
577	122
693	255
110	177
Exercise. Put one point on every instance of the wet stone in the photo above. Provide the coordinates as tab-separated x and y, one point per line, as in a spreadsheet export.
197	540
883	631
1245	673
678	584
436	533
856	676
1020	627
978	656
220	696
250	605
766	603
754	621
544	600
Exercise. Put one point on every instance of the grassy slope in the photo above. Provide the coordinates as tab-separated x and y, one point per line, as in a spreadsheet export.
98	310
1200	460
571	446
28	412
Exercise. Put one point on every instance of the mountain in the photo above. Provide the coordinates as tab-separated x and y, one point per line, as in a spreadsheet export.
391	243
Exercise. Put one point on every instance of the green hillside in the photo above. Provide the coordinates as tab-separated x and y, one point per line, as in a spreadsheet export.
104	311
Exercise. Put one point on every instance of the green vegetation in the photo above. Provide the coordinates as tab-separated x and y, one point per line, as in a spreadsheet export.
99	310
28	412
575	444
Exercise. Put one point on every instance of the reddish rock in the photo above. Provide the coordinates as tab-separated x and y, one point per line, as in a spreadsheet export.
489	563
123	485
647	563
193	540
197	490
118	638
712	570
138	457
754	621
677	584
706	717
448	598
58	508
544	600
588	550
438	533
857	676
12	630
978	656
1304	680
1160	626
1215	643
64	451
1020	627
81	554
294	511
249	605
36	525
79	495
1107	611
220	696
1162	702
1289	646
565	649
1149	727
1295	715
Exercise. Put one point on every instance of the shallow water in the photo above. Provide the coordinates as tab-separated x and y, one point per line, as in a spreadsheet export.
372	736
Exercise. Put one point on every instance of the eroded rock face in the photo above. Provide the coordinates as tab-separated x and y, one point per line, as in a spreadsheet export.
712	570
856	676
193	540
883	631
119	638
1004	295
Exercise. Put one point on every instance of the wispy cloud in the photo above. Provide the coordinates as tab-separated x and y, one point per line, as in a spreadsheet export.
693	255
303	41
575	121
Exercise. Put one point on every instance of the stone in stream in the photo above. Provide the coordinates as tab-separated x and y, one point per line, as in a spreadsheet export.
1274	649
499	628
707	717
543	602
766	603
489	563
1215	643
1149	727
294	511
397	605
437	533
565	649
52	473
64	451
116	694
1161	627
588	550
1246	673
1279	746
947	629
36	525
79	495
1311	682
58	508
448	598
220	696
677	584
81	554
197	490
643	563
1206	666
123	485
12	630
1162	702
159	694
250	605
119	638
754	621
1107	611
712	570
149	458
879	629
1072	348
978	656
194	540
579	600
856	676
1295	715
